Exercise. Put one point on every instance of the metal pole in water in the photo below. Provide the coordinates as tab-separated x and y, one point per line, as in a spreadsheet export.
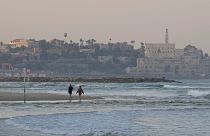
24	93
24	88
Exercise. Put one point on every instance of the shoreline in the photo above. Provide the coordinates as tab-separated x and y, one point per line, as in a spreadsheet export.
10	96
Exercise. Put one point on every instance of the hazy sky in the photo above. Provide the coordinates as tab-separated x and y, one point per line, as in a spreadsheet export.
188	21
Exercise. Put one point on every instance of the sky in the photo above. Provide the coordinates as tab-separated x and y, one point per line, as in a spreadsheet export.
188	21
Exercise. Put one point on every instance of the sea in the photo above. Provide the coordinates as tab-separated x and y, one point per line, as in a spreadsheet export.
120	109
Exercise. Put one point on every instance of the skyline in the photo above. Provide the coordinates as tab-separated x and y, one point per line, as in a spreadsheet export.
188	21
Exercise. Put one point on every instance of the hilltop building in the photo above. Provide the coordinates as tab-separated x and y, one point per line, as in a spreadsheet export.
18	43
164	60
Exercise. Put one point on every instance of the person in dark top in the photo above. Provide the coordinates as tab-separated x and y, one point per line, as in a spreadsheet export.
80	92
70	89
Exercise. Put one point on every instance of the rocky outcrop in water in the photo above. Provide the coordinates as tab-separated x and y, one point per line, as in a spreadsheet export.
80	79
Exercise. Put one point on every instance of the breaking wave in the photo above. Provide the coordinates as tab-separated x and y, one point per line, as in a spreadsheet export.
198	93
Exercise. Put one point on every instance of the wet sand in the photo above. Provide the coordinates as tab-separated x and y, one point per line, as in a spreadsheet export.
8	96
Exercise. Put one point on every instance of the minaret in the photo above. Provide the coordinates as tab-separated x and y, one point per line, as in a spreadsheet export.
166	36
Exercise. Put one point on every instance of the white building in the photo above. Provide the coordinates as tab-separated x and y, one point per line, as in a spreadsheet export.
88	51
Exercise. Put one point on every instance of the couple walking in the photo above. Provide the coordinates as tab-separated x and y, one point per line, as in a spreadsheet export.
79	91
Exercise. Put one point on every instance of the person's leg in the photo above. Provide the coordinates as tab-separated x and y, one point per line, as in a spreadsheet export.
70	97
80	97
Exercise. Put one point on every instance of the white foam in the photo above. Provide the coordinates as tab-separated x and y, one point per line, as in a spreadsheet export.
198	93
186	87
176	86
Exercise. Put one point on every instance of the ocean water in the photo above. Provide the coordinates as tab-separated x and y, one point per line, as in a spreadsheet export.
127	109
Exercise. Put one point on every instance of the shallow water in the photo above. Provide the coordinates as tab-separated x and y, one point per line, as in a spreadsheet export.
131	109
134	122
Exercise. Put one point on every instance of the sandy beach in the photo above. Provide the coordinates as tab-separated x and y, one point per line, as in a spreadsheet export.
8	96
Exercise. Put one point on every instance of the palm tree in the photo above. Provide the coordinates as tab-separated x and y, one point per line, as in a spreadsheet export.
65	36
93	41
110	39
71	41
81	41
88	42
133	41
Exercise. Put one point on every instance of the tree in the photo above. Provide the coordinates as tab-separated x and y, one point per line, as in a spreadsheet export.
91	42
88	42
71	42
65	36
142	51
133	41
110	40
206	55
81	41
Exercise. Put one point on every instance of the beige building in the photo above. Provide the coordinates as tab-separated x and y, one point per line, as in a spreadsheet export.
18	43
179	53
164	60
160	50
172	68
